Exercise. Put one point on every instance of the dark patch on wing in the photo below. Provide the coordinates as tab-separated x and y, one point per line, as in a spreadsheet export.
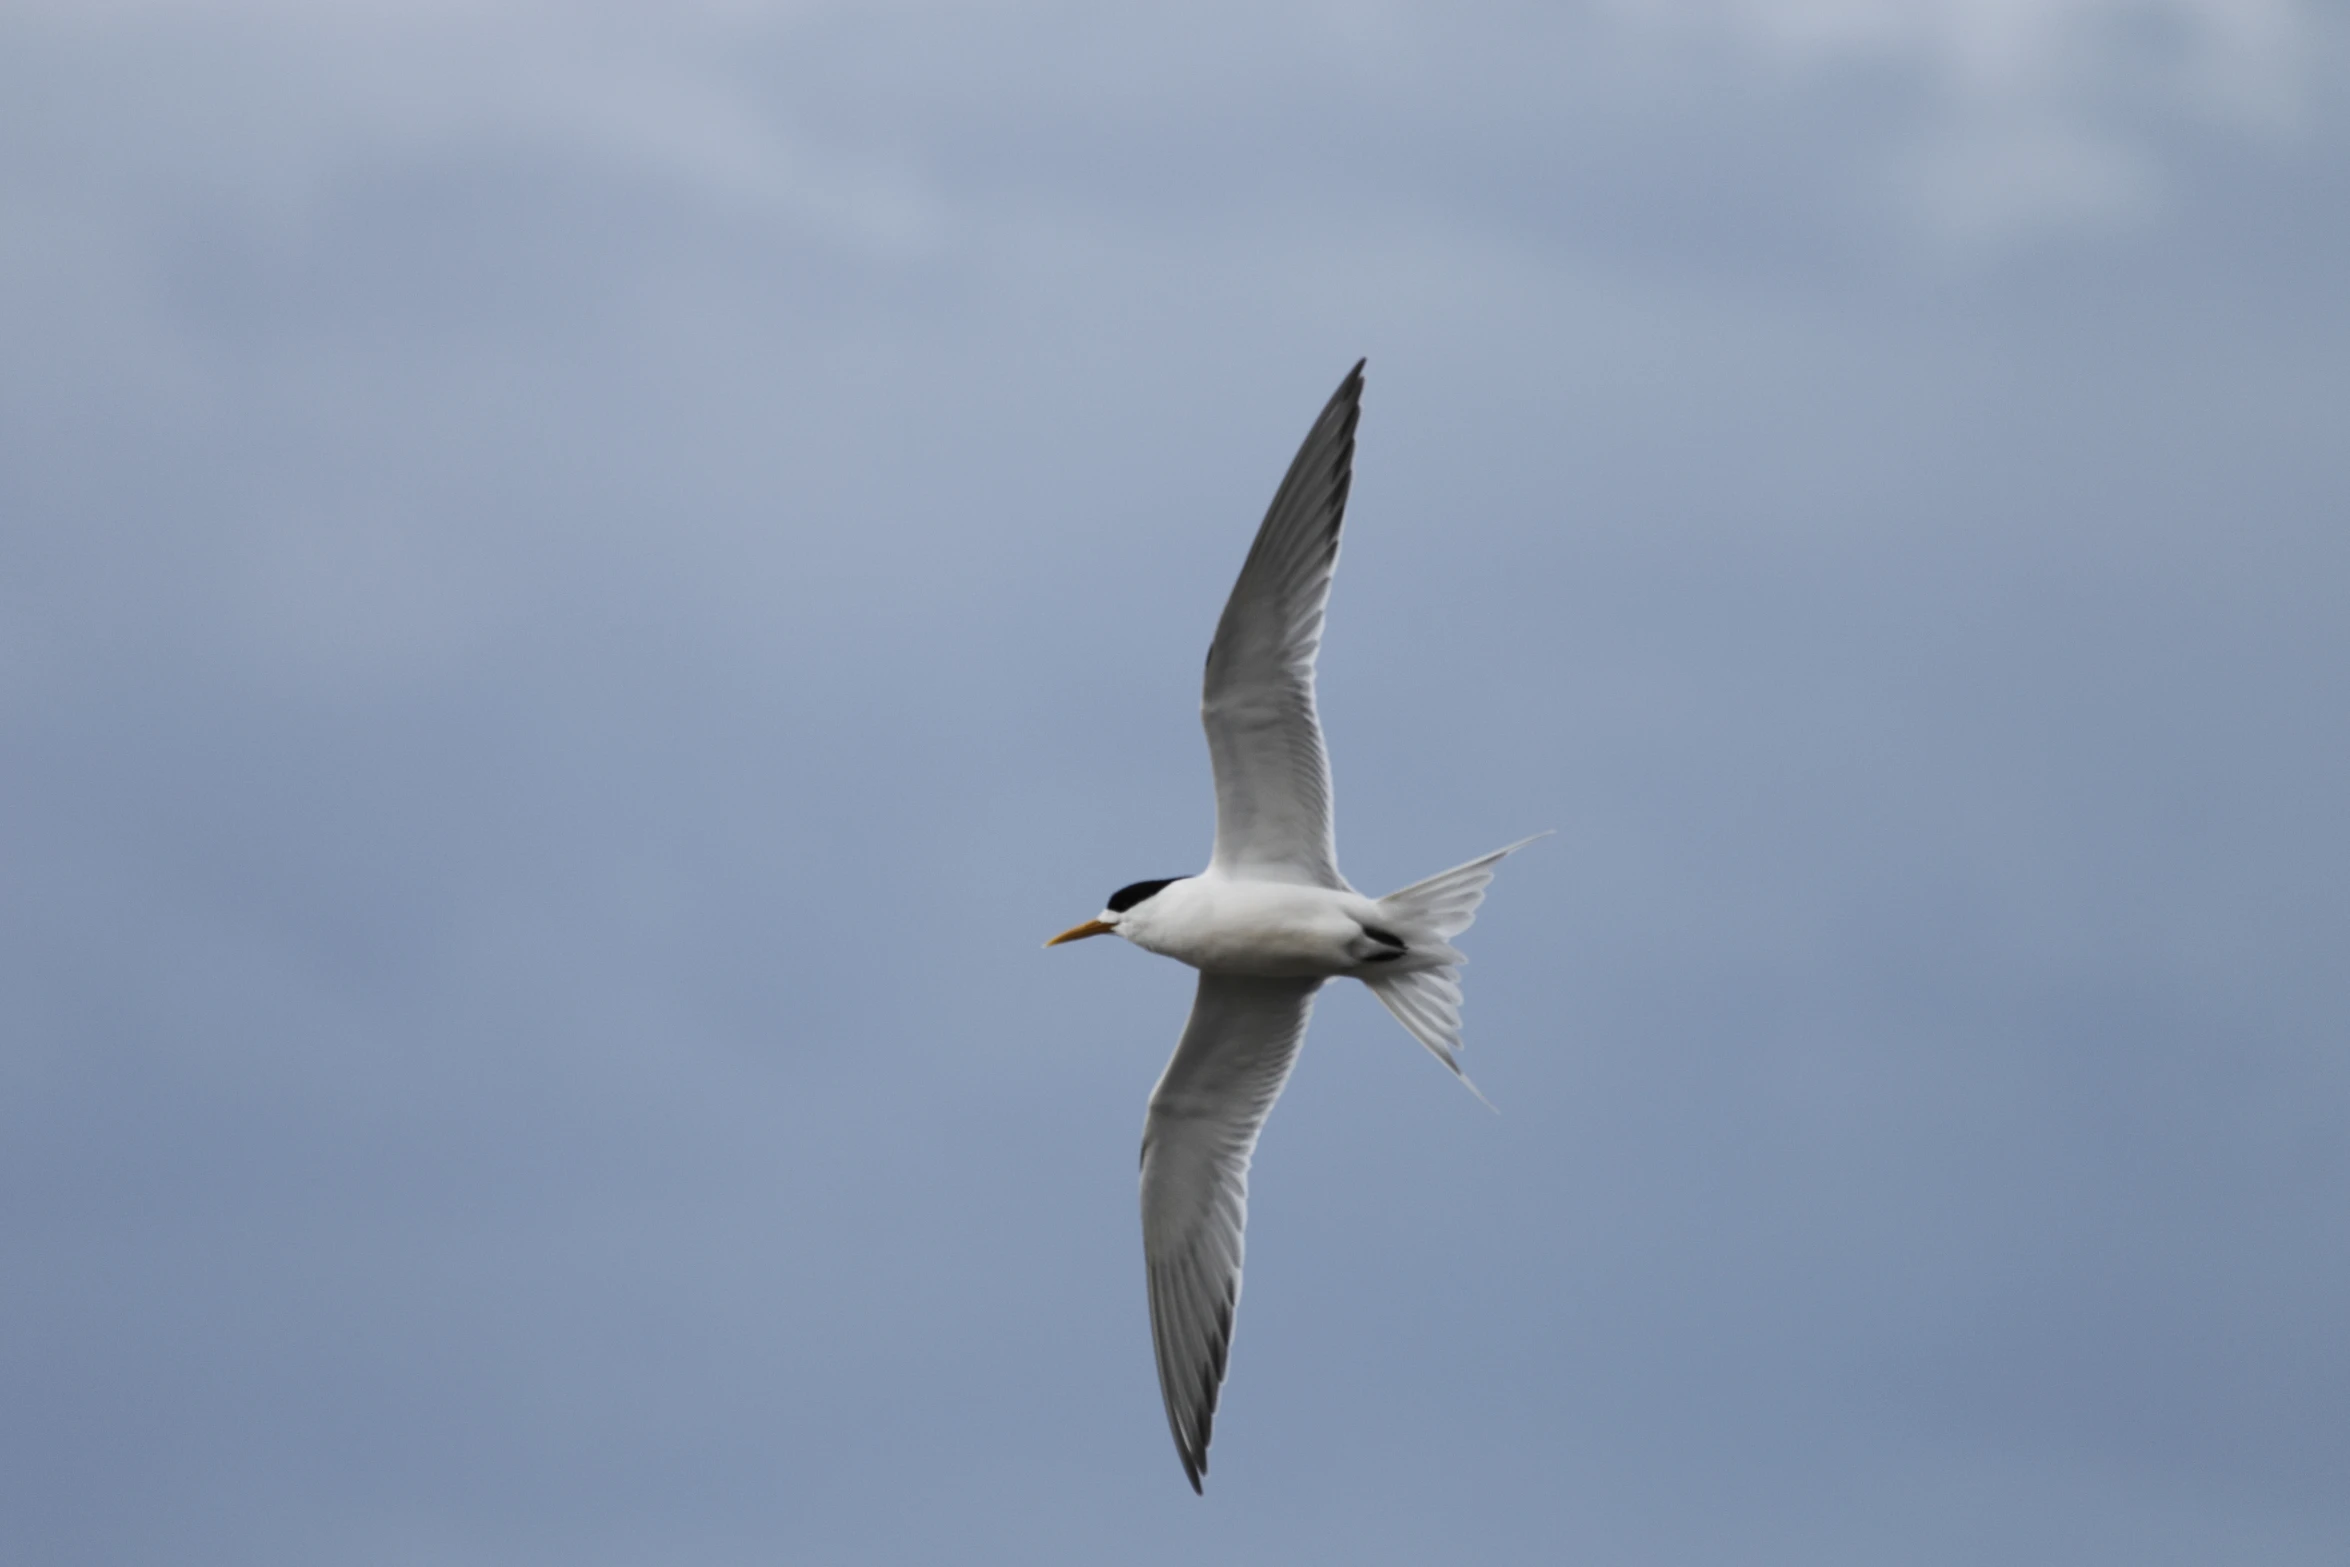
1339	479
1211	1386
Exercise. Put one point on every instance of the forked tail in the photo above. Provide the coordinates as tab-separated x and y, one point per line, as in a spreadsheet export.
1427	1001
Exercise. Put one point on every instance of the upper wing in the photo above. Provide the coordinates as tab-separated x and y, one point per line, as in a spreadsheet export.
1272	776
1204	1118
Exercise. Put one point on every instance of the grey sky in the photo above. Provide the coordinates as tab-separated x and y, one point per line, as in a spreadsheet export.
578	592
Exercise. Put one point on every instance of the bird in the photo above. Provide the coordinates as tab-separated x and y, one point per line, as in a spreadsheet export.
1267	924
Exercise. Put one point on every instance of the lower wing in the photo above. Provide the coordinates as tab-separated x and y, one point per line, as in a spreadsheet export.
1196	1142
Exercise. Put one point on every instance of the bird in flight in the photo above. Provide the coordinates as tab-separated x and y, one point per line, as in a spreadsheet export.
1266	924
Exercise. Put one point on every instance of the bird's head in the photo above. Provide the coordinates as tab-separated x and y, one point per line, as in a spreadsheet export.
1122	902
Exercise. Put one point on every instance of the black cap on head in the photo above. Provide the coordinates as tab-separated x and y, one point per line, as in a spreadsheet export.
1127	897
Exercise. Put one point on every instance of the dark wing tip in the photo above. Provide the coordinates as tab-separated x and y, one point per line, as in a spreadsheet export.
1193	1434
1349	396
1195	1452
1351	389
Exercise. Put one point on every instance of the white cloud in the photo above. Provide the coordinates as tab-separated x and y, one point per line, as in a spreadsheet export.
269	99
2013	119
2008	178
2035	113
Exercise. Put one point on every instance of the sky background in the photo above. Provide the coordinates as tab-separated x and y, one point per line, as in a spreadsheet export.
580	587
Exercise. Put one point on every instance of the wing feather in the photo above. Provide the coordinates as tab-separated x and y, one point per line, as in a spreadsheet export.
1202	1128
1257	702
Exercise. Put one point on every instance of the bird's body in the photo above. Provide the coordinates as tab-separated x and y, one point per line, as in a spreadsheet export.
1267	929
1267	924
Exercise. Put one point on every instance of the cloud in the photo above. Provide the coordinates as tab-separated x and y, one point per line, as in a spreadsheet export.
2032	116
2001	120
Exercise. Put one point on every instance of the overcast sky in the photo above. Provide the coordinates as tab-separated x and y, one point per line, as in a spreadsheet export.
580	588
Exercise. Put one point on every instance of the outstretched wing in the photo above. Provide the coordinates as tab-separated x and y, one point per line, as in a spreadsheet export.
1204	1118
1264	737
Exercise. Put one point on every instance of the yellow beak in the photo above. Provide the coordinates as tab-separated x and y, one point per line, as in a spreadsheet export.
1080	932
